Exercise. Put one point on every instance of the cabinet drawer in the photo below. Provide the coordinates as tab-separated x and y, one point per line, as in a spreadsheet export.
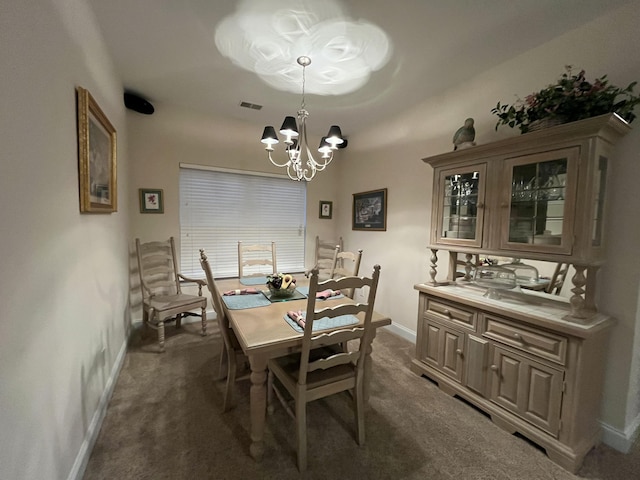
542	344
452	313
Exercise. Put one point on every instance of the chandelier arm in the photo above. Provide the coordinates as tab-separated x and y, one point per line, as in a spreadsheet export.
285	164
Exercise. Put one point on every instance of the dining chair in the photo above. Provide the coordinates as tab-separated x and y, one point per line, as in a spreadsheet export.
250	256
346	264
557	279
324	256
162	297
310	375
231	354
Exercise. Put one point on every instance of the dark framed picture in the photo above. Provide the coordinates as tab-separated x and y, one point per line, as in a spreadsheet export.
370	210
151	200
96	156
326	209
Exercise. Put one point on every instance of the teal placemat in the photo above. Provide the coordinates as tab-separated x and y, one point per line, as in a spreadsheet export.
325	323
297	295
253	280
305	290
238	302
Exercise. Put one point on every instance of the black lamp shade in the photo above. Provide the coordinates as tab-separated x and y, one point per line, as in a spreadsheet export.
334	137
289	127
269	136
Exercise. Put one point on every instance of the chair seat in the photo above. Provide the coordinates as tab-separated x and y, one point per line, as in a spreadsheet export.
161	303
290	366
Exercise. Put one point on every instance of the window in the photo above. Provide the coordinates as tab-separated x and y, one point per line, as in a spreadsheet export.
219	208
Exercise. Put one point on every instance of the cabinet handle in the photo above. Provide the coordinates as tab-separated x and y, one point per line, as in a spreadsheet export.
480	205
517	336
446	312
494	368
459	352
504	205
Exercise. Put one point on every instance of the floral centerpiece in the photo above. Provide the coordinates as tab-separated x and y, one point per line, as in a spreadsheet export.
571	98
281	284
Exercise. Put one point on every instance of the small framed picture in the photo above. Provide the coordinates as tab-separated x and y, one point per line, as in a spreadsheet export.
151	200
370	210
326	209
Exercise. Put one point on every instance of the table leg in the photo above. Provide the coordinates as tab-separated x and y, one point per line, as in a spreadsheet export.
258	399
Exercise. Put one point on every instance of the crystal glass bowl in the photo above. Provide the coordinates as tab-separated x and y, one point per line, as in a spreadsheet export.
282	292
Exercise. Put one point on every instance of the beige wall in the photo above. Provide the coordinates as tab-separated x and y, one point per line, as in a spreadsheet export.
63	288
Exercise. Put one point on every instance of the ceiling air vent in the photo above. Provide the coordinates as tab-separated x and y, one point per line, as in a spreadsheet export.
252	106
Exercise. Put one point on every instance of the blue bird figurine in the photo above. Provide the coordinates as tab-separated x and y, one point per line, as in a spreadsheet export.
465	135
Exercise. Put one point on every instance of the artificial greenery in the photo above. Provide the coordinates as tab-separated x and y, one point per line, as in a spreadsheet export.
571	98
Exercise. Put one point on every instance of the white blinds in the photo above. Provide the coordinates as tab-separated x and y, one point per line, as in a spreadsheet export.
218	209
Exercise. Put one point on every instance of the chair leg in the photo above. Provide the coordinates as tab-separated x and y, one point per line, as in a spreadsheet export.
270	392
301	433
179	320
231	383
358	403
161	335
224	358
204	321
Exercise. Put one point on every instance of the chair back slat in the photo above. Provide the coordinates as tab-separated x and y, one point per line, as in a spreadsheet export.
361	332
157	266
251	256
346	264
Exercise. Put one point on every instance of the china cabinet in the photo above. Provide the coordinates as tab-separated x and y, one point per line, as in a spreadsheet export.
532	361
539	196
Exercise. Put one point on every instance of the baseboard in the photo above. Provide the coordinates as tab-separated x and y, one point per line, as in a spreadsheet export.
401	331
80	465
620	440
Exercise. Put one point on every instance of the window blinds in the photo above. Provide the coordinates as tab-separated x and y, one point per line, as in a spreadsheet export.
220	208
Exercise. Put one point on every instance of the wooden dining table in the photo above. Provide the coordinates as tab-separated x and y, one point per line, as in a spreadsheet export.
263	333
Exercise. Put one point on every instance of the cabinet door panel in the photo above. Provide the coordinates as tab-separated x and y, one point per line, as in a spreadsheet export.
538	208
452	342
442	348
460	205
475	361
530	389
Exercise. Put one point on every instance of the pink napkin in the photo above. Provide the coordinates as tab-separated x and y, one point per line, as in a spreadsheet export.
244	291
328	293
297	317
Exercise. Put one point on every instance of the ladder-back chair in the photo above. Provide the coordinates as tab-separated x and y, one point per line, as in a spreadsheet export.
309	375
231	354
162	297
347	264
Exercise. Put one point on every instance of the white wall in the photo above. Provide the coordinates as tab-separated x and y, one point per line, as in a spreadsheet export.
63	288
390	156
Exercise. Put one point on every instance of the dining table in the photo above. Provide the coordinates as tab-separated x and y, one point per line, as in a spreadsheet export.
263	333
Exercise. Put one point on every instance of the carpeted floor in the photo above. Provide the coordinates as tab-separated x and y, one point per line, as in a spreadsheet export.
164	422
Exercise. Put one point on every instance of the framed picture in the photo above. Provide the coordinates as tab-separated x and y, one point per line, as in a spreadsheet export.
96	157
326	209
370	210
151	200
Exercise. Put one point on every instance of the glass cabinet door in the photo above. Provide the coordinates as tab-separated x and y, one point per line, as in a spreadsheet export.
461	205
538	202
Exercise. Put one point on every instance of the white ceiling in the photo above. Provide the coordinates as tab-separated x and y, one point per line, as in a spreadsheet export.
164	50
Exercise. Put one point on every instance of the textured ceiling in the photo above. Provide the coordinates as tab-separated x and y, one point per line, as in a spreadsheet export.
165	50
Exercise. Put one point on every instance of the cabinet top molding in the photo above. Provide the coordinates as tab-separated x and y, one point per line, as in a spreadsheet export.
610	128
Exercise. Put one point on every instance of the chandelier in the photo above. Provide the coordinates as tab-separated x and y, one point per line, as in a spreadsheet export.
300	164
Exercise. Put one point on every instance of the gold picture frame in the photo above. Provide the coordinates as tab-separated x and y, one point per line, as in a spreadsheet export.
96	157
